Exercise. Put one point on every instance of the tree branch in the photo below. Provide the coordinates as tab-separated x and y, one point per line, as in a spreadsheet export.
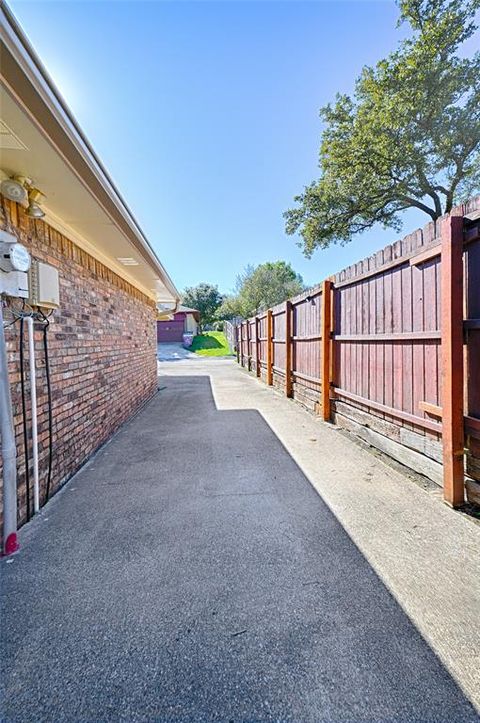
422	206
427	188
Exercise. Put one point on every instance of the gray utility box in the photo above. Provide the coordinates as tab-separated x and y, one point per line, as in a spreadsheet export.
44	285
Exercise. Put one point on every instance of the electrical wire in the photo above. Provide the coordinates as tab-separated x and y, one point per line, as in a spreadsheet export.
50	412
11	323
20	315
24	415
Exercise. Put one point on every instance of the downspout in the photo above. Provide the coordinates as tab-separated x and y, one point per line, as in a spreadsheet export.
33	399
9	451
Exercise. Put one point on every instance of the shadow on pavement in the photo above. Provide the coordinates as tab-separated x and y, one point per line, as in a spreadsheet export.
192	573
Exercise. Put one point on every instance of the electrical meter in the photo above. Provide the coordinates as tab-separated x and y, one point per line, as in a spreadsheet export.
14	264
13	256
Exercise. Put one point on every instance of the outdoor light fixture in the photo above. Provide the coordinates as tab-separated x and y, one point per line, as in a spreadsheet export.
20	190
14	189
34	209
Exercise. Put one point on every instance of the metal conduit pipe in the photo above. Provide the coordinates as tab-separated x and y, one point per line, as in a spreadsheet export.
9	451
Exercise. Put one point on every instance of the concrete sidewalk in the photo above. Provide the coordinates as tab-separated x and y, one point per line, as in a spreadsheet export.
228	557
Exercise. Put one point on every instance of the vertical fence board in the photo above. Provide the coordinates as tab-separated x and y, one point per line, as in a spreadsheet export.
388	348
472	267
407	326
380	329
418	370
397	370
430	323
365	329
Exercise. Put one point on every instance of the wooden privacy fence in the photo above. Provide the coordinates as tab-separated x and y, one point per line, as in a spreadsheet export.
389	348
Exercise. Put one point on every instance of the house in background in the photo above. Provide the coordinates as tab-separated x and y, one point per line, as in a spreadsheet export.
184	320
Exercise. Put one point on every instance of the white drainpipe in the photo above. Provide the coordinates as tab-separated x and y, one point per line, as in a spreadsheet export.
33	399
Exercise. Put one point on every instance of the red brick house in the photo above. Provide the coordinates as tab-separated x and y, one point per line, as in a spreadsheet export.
101	337
182	321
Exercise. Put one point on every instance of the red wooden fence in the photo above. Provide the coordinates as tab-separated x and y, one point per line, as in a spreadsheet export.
395	339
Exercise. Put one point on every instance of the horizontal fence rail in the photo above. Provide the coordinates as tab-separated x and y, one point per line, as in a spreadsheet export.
379	348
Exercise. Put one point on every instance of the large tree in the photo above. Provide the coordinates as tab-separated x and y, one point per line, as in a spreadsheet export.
409	137
206	298
259	287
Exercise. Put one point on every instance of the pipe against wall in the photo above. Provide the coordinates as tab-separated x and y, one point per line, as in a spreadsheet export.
9	451
33	399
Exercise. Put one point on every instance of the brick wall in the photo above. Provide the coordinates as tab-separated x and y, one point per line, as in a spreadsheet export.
102	350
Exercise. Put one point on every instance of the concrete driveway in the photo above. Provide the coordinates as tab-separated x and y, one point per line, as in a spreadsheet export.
173	351
194	572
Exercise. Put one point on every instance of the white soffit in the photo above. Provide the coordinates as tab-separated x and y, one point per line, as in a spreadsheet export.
70	208
8	139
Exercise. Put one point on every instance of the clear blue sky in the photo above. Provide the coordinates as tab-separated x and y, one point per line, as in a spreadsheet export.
206	115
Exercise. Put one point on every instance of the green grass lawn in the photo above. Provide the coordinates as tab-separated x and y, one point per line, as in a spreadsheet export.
211	343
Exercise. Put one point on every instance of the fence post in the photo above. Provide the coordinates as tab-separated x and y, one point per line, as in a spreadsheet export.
242	337
248	343
237	343
326	346
257	346
269	347
452	360
288	348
